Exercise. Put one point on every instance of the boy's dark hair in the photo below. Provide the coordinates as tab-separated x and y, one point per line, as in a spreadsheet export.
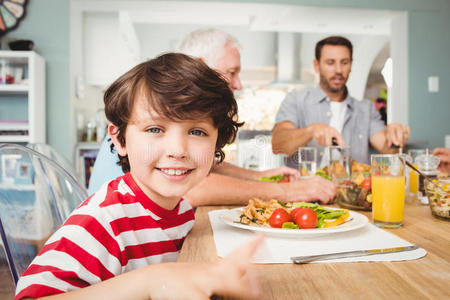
335	41
179	88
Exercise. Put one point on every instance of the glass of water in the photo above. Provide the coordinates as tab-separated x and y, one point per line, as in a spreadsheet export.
340	163
307	161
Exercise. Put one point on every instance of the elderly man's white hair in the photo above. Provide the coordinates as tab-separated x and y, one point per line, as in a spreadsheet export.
208	44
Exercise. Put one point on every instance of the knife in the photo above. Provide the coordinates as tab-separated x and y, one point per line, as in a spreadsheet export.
307	259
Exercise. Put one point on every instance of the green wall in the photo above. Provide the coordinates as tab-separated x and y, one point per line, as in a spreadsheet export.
47	24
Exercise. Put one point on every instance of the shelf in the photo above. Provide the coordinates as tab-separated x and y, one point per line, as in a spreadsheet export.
14	88
17	187
88	146
25	99
14	138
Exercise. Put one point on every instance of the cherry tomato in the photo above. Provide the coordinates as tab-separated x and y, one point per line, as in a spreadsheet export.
278	217
285	179
306	218
366	184
346	182
295	211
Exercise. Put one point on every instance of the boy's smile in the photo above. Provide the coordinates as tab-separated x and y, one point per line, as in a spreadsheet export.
167	158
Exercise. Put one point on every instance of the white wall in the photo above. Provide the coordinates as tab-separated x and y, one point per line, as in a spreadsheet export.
258	48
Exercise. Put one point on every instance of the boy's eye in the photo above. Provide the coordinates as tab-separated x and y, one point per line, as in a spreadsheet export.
154	130
197	132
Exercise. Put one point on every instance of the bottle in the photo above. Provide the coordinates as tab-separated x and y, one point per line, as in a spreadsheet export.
100	124
91	131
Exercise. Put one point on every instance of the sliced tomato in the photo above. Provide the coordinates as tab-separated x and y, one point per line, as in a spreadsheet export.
284	179
306	218
278	217
366	184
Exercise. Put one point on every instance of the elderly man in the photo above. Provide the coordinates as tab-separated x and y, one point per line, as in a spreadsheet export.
327	113
227	184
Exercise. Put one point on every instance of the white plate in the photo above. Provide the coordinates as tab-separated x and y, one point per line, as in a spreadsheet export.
231	217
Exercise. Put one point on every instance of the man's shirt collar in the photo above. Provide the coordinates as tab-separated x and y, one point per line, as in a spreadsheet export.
318	96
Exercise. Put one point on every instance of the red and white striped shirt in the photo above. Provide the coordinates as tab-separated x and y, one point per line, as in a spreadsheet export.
118	229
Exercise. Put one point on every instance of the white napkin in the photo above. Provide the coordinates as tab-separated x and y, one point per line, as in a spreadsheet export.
280	250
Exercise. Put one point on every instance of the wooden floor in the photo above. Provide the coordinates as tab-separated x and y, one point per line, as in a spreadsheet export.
6	280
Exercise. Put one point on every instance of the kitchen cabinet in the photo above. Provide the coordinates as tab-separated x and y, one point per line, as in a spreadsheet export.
22	97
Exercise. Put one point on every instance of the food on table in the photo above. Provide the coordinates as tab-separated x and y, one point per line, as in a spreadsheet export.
275	178
439	197
336	168
279	217
355	194
295	215
323	172
359	167
305	217
304	171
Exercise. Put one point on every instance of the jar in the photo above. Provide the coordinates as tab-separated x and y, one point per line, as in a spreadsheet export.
428	165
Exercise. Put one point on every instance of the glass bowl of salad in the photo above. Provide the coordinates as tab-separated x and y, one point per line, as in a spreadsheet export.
438	193
355	193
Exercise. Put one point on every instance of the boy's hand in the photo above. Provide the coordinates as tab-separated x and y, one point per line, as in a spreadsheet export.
230	277
234	275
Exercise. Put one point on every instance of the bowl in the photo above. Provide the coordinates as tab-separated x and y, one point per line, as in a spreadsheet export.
438	193
353	196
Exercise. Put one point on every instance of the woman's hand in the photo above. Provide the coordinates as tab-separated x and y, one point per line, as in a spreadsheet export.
444	156
291	173
313	188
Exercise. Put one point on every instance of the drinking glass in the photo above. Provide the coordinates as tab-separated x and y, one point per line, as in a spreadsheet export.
339	163
307	161
388	190
413	176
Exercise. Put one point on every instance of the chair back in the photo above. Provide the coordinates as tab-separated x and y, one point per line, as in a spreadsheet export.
54	155
36	196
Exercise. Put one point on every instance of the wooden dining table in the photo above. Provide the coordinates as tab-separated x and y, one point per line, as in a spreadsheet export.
424	278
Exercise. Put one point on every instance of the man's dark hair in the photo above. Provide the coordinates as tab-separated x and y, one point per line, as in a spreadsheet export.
178	88
335	41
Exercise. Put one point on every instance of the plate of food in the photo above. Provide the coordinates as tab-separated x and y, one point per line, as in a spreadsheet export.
298	219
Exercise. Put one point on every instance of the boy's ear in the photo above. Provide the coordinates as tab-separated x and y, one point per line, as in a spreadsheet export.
113	131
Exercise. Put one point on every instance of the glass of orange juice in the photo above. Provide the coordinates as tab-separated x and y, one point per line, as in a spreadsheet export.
413	176
388	190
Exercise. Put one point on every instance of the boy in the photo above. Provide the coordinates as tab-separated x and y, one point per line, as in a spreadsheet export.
170	118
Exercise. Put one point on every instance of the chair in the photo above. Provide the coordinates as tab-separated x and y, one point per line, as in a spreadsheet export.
36	196
54	155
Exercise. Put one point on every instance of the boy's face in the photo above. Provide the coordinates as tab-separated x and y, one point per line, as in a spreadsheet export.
166	158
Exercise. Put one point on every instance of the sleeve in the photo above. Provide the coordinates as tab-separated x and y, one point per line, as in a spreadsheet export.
288	109
81	253
105	167
376	123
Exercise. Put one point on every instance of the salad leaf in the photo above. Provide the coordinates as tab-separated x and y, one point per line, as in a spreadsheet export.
275	178
321	172
282	203
289	225
321	212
